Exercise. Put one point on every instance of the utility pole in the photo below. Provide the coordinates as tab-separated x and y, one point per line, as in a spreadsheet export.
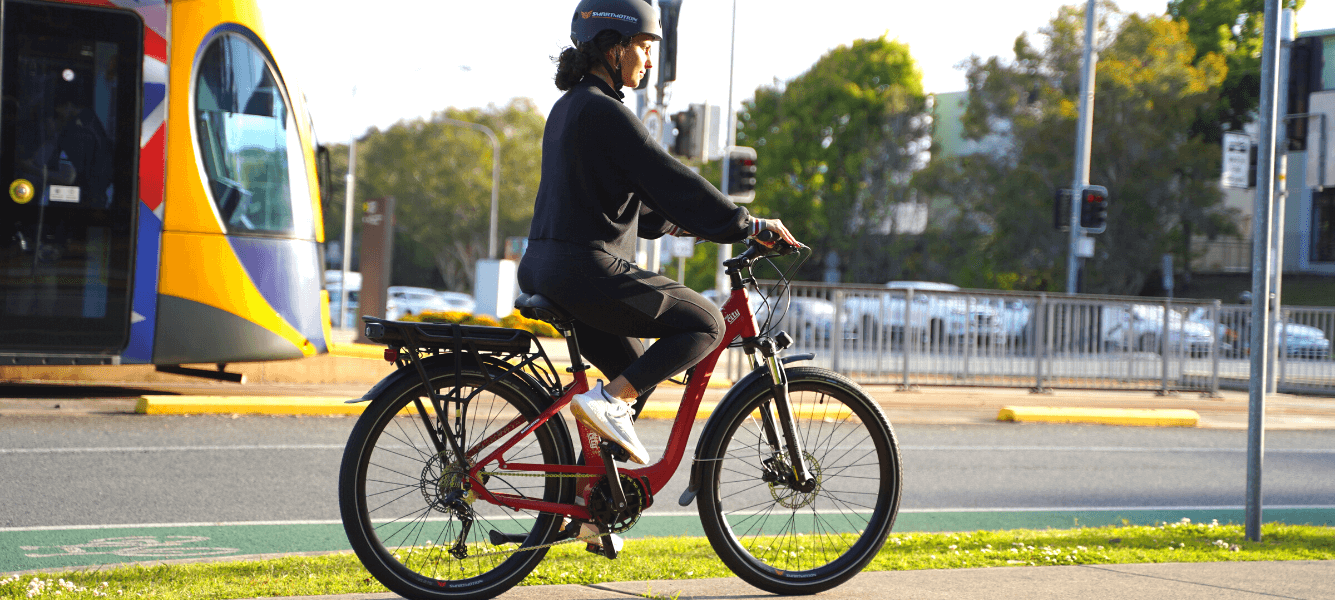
1082	146
1286	36
495	179
1261	234
725	250
347	219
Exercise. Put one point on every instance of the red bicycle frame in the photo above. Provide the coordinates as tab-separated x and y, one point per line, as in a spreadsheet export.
740	322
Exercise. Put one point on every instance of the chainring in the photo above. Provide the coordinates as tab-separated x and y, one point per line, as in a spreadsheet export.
605	513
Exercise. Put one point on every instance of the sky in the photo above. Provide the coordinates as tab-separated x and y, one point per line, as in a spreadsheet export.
408	58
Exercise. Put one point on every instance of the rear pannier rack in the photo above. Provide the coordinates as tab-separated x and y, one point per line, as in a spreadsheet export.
498	347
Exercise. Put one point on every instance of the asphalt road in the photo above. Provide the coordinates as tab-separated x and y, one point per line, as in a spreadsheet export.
130	469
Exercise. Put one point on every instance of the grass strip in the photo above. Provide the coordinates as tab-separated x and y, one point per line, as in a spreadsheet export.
693	558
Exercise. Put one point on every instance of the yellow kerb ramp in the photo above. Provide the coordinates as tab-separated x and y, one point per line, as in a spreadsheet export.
246	405
669	410
1144	417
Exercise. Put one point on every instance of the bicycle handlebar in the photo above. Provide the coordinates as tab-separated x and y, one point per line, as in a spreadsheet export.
766	244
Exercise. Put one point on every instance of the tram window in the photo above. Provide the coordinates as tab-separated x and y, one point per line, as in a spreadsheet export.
248	142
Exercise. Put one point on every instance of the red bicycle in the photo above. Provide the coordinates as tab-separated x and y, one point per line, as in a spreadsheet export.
461	473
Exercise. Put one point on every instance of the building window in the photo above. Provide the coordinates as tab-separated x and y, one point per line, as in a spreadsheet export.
1323	226
248	141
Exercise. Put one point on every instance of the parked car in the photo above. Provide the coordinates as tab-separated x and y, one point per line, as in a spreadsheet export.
403	301
1139	327
1299	341
334	285
1012	318
458	301
937	318
809	320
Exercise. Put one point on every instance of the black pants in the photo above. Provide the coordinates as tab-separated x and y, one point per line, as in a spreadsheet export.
615	304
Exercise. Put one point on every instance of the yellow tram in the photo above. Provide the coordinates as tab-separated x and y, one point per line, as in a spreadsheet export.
163	188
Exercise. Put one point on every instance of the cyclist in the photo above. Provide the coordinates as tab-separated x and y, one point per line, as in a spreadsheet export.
604	183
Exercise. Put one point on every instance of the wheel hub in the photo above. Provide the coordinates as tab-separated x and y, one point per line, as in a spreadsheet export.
783	487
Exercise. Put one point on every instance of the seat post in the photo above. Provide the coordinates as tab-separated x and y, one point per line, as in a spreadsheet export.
577	364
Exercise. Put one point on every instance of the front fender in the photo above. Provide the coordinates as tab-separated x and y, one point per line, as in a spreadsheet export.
712	422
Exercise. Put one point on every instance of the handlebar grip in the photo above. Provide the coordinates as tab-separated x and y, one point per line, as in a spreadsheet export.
767	236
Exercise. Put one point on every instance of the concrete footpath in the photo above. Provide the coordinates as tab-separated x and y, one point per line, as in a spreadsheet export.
1164	581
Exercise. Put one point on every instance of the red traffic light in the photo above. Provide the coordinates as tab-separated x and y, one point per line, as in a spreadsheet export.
1094	208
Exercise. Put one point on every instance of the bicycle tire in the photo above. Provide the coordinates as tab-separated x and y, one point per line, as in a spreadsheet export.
394	490
788	542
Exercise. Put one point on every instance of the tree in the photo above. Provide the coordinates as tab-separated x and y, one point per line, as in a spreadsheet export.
1162	179
1233	29
440	176
836	147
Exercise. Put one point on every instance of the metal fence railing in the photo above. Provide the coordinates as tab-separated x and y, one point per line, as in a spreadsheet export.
912	336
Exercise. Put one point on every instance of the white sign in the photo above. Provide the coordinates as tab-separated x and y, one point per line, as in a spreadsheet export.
1084	247
1237	160
64	193
683	247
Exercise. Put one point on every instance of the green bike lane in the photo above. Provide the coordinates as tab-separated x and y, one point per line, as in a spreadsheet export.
46	548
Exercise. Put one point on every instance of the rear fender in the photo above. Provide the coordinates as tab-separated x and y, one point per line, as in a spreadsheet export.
445	363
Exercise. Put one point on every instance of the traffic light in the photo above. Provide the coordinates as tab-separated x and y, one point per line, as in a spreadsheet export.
1094	208
1061	210
667	49
741	173
687	140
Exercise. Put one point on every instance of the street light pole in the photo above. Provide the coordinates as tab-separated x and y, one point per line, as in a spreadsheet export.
1082	146
495	180
347	221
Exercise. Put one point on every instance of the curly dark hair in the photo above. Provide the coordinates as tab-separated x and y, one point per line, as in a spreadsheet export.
577	61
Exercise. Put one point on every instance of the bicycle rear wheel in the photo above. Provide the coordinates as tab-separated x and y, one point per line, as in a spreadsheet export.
775	537
407	510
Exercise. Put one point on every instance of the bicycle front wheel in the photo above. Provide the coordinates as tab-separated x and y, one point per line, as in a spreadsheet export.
407	508
784	540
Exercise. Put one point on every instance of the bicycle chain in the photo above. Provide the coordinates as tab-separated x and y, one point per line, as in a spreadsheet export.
583	538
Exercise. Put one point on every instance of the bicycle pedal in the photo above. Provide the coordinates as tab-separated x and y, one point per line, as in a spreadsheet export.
614	451
608	547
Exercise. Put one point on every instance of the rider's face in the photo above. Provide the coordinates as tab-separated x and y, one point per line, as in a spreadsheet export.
637	60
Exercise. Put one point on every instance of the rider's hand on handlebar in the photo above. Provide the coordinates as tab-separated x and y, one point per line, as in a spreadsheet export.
772	232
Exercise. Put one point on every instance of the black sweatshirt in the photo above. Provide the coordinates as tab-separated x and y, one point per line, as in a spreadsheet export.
605	181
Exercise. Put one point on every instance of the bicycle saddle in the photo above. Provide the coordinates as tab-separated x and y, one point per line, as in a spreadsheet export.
537	306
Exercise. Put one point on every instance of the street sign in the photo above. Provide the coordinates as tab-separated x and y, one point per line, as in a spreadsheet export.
683	247
1237	159
653	121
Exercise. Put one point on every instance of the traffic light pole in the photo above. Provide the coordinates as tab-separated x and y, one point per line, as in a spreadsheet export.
1082	147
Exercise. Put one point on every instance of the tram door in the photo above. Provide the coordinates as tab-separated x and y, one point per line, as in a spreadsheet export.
69	145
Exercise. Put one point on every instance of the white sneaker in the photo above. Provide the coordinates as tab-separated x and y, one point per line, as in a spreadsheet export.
609	418
589	529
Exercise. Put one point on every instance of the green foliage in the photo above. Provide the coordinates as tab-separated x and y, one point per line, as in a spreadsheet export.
692	558
440	176
835	147
1162	182
1233	29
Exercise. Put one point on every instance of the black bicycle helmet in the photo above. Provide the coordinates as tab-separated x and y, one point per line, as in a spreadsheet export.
627	17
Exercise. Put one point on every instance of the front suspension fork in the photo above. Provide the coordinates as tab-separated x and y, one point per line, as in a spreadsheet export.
787	425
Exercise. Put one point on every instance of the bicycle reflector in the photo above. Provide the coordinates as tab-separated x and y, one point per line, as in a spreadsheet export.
391	354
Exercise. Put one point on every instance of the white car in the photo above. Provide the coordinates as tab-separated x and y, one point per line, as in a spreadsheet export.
404	301
1139	327
458	301
334	285
938	315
